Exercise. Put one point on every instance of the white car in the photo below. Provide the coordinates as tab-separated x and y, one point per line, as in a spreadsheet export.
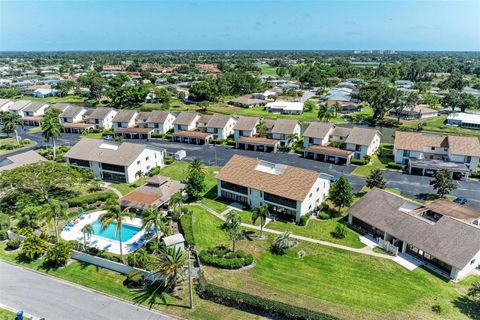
180	154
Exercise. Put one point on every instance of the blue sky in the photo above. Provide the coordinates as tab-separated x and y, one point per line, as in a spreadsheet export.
227	24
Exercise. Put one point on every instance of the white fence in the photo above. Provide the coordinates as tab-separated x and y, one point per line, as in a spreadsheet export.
98	261
387	246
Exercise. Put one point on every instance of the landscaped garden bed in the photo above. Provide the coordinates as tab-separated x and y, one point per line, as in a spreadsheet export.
224	258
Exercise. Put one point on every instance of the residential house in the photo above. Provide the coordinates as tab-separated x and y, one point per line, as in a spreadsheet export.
160	121
285	107
33	114
363	142
246	101
20	159
419	111
441	235
245	127
406	84
286	131
426	153
221	126
130	124
287	190
189	128
102	118
72	120
18	106
464	120
4	104
120	162
247	137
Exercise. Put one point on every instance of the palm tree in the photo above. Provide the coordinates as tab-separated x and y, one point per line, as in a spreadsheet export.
154	218
57	210
196	166
51	130
292	139
116	215
87	231
139	174
169	263
175	201
261	212
281	243
324	113
262	129
10	121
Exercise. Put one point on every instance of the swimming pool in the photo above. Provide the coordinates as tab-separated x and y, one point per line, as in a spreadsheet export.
110	232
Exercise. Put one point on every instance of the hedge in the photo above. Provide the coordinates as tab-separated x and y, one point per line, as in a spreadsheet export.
221	257
187	228
394	165
90	198
255	304
358	162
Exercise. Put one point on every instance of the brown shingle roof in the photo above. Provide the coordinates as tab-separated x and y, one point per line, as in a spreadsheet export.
294	183
466	146
246	123
318	130
102	151
450	240
218	121
124	115
284	126
258	141
158	117
185	118
453	209
341	132
329	151
99	113
192	134
361	136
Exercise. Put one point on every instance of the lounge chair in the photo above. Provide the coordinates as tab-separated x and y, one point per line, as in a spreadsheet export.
107	246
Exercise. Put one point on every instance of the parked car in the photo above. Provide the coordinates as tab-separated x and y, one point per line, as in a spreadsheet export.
460	200
180	154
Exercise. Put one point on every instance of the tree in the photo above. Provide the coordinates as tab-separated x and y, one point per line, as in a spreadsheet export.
474	290
195	178
33	247
309	105
281	243
233	227
51	127
324	113
203	91
94	82
443	182
261	213
8	93
175	201
116	215
87	231
341	193
127	96
58	254
262	129
380	96
64	87
139	174
169	263
375	179
406	100
162	95
154	219
454	81
10	121
57	210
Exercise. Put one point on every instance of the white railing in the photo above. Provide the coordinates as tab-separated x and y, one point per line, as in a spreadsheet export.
387	246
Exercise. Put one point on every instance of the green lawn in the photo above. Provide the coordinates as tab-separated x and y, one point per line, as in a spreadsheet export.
7	314
35	130
268	70
111	283
346	284
67	99
217	206
319	229
126	188
376	163
438	125
94	135
13	142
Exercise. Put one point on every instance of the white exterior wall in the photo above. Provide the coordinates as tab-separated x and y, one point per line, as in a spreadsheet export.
163	127
6	105
39	112
155	159
316	141
398	153
457	274
246	133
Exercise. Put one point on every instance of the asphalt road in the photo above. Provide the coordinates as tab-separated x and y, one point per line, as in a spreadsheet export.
416	186
53	299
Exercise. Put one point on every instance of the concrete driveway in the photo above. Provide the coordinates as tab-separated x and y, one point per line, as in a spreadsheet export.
52	299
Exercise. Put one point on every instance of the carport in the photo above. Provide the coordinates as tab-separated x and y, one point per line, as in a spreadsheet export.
328	154
134	133
428	167
257	144
192	137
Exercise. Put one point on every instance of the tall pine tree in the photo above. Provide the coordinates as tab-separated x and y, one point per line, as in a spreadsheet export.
341	193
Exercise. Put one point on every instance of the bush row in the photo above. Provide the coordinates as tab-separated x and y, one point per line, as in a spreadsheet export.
358	162
394	165
256	304
186	226
88	199
222	258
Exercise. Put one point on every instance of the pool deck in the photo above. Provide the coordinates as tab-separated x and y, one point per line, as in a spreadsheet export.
109	245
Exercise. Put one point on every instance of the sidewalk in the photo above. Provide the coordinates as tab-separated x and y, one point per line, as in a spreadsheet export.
26	316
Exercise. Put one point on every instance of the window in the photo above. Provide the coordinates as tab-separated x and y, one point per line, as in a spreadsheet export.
280	200
445	149
309	207
138	162
318	188
234	187
433	148
406	153
112	167
146	158
80	163
310	195
311	140
472	262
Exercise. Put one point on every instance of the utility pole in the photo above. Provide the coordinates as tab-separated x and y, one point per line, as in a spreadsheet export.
190	280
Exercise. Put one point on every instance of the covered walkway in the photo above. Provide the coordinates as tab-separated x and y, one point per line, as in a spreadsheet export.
134	133
192	137
257	144
328	154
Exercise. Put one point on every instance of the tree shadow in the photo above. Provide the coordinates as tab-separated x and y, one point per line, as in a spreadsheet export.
212	193
155	294
468	307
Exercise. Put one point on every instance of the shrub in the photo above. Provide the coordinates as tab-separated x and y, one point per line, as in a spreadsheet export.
169	160
135	278
223	258
33	247
58	254
394	165
187	229
281	243
323	215
13	244
338	144
4	221
475	175
25	142
231	142
88	199
157	135
244	301
367	158
358	162
340	231
3	235
139	259
168	136
303	220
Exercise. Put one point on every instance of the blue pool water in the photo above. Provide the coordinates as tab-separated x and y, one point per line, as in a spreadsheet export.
128	231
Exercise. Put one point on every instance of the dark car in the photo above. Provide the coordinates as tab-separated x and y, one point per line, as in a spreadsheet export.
460	200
